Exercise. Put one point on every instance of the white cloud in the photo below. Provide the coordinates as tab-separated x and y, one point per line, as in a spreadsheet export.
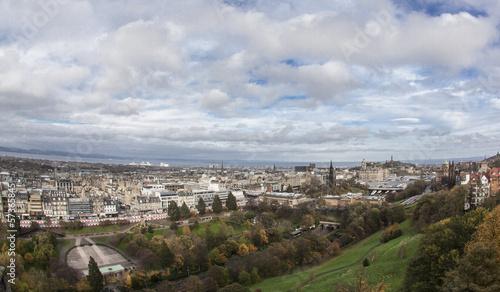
208	77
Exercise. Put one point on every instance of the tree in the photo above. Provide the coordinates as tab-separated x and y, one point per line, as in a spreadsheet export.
366	263
289	189
148	259
185	211
95	277
254	276
307	221
165	254
201	206
173	211
439	250
193	284
267	219
478	270
166	286
217	205
235	287
231	202
219	274
244	278
141	240
335	248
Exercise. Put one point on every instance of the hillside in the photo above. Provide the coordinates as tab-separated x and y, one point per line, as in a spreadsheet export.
345	268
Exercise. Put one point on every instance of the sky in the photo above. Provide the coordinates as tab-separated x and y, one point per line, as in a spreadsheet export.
304	80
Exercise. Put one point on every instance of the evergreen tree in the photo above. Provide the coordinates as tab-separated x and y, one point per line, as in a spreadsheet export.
94	277
173	211
201	206
165	254
231	202
217	205
185	211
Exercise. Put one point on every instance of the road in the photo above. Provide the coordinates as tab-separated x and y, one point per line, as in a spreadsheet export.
414	199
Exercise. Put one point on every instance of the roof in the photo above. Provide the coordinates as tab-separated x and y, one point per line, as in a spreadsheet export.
108	269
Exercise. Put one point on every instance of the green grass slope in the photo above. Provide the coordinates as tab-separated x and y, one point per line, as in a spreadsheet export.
388	266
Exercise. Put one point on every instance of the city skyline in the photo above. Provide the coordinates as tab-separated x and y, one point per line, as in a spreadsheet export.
252	80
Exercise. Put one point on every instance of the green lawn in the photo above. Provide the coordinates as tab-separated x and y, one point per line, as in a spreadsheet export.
101	238
64	242
155	232
94	229
214	227
388	263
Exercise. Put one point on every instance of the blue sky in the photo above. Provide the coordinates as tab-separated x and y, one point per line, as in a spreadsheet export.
252	80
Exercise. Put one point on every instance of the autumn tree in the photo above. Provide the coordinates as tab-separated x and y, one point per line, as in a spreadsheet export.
193	284
489	230
438	251
335	248
478	270
165	255
219	275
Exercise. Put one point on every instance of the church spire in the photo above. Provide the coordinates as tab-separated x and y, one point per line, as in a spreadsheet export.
331	176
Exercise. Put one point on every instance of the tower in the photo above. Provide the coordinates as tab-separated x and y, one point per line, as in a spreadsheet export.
331	176
222	169
363	164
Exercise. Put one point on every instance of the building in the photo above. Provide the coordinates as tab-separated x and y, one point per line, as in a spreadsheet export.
35	206
110	207
373	174
209	196
479	188
65	185
301	168
290	199
494	181
79	207
166	196
150	189
143	204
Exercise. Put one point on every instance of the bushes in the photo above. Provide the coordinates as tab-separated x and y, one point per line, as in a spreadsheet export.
391	232
117	238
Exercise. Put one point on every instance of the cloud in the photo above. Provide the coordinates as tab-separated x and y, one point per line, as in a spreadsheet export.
291	80
406	120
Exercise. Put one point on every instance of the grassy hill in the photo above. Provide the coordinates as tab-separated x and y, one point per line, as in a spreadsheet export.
345	268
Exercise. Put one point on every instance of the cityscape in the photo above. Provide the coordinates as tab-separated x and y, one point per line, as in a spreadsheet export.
249	145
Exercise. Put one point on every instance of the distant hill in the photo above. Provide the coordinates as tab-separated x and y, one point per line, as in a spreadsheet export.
55	153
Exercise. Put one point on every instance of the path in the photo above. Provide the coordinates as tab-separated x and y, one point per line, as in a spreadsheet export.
337	269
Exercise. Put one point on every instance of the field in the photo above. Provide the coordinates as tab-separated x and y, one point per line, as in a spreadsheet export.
63	242
94	229
387	265
101	238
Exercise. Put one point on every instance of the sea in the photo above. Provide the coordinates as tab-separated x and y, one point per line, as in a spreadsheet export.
208	162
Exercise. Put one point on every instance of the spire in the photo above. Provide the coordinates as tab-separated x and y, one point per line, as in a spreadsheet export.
222	168
331	175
